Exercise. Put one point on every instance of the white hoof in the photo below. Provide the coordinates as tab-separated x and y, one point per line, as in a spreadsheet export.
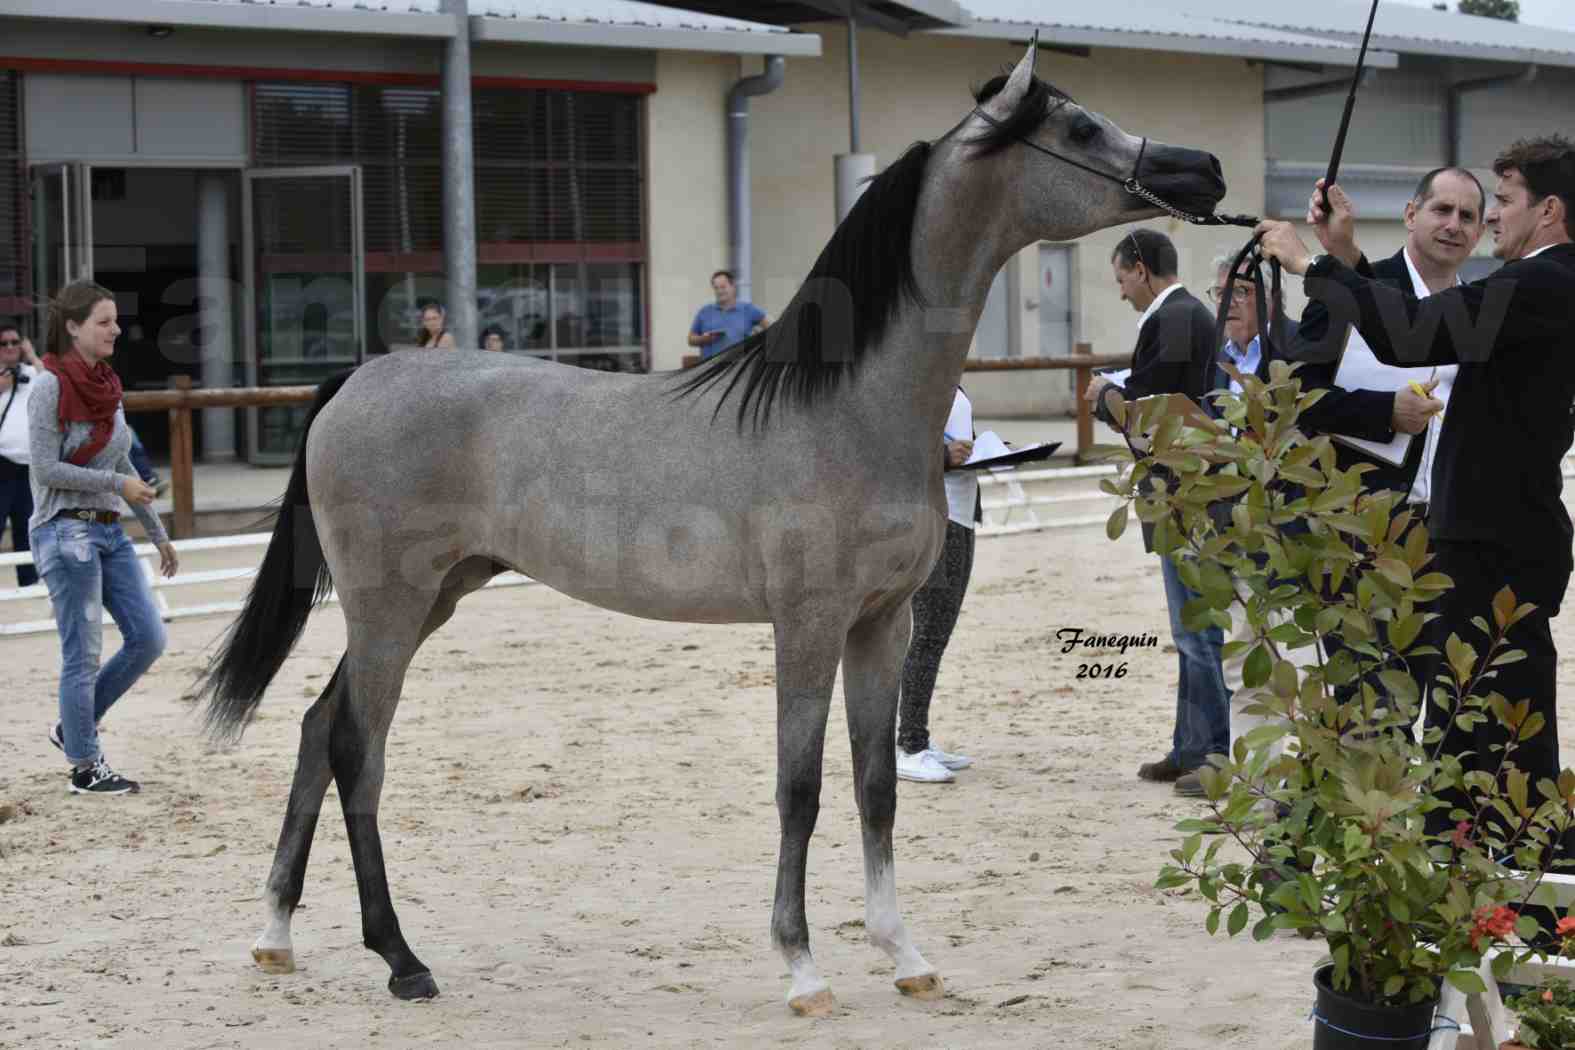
815	1004
274	960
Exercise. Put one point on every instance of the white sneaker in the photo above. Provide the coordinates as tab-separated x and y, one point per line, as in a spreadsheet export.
922	767
949	760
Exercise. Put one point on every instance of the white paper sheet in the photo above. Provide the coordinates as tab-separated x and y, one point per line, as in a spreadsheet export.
987	446
1360	370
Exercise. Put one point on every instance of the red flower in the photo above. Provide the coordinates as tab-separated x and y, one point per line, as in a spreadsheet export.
1492	923
1565	927
1547	995
1462	833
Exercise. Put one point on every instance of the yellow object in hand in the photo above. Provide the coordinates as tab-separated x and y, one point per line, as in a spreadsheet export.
1416	388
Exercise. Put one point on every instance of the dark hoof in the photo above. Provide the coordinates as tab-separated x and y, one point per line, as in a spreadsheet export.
415	986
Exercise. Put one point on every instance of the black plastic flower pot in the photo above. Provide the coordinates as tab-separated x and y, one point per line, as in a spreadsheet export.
1343	1023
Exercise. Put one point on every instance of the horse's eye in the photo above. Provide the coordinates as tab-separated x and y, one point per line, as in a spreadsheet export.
1084	131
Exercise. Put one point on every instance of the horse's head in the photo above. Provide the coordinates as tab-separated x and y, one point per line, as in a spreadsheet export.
1069	170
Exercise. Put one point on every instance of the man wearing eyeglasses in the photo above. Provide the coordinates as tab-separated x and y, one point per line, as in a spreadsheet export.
17	363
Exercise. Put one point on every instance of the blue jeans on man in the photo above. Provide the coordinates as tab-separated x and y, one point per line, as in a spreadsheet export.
1202	701
90	567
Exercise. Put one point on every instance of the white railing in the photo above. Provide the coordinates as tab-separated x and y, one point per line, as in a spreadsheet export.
147	558
1013	502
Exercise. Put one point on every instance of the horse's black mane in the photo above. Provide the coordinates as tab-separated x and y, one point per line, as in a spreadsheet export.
1038	102
862	276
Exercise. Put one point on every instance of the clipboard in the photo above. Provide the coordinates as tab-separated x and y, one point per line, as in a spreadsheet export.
1026	454
1363	371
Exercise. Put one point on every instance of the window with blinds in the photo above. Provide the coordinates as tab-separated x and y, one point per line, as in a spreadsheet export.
552	167
559	207
13	199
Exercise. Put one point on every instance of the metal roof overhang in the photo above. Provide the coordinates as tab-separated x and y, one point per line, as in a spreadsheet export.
1459	49
896	16
489	28
279	17
436	26
1313	52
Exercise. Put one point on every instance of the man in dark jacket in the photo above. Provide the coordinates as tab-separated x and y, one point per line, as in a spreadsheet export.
1175	347
1444	222
1497	515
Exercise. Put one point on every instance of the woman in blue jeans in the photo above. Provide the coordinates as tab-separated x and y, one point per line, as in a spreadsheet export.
81	472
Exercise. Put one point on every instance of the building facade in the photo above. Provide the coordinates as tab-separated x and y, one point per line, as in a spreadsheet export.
262	187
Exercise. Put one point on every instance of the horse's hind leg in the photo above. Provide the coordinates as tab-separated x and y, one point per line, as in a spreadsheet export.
274	951
382	642
806	671
871	676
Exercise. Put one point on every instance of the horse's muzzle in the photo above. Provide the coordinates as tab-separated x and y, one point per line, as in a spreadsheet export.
1190	179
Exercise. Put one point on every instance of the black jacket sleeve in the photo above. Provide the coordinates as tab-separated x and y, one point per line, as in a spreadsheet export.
1460	325
1168	349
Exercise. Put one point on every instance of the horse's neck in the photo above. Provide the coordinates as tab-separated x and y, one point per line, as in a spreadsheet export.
914	373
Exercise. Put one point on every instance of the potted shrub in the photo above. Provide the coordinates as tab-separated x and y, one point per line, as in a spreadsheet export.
1546	1015
1317	821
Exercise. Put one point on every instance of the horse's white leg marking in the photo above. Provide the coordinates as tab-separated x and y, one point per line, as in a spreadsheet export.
809	994
274	951
883	922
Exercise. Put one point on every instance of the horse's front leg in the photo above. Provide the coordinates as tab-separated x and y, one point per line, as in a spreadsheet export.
807	656
871	677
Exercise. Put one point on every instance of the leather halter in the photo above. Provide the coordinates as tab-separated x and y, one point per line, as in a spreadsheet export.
1131	184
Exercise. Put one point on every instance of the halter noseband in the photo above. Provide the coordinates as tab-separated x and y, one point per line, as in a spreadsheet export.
1131	184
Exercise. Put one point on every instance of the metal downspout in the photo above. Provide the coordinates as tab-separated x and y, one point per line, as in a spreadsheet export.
738	213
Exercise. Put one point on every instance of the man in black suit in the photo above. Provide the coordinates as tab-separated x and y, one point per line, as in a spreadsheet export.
1175	347
1444	222
1497	515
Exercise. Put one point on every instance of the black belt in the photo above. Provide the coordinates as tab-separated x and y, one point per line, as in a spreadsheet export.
1419	509
102	517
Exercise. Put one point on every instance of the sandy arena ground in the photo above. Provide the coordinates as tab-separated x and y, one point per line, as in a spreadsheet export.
581	840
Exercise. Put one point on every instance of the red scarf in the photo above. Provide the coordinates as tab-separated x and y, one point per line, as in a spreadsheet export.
88	394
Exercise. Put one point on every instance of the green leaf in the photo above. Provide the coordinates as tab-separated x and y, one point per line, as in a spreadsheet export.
1503	606
1117	524
1468	981
1255	671
1404	631
1394	570
1212	923
1238	919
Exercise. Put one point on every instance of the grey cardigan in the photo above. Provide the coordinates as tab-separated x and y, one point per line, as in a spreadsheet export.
60	485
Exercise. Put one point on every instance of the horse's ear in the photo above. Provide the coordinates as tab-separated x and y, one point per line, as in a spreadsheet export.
1006	100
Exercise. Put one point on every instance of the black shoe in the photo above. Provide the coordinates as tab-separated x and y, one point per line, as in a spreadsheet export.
99	779
1164	771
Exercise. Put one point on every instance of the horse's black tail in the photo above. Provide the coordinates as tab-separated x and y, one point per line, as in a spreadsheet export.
293	577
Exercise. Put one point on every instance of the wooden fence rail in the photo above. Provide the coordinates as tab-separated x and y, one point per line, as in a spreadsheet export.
1083	361
179	401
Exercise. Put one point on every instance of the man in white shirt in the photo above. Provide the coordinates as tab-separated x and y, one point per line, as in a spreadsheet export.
16	494
1444	220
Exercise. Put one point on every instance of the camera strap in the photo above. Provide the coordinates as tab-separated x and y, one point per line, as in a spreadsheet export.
16	383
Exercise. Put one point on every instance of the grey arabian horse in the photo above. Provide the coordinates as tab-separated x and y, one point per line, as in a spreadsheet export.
793	480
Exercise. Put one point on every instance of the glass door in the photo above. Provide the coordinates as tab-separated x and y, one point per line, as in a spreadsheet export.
305	291
62	201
